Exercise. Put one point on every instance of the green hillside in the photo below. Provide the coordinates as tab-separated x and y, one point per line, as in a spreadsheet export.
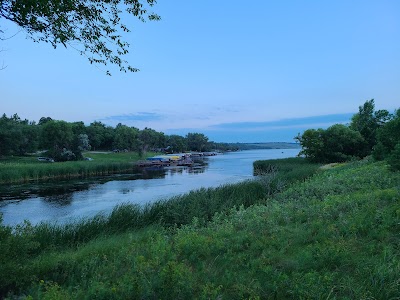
332	236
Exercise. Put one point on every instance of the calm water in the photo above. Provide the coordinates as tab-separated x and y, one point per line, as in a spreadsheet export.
64	201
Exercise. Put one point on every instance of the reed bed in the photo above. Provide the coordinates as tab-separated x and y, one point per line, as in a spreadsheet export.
290	169
201	204
25	169
19	173
332	236
179	210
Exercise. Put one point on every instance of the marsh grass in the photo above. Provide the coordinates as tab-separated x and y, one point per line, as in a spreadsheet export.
25	169
331	236
290	169
179	210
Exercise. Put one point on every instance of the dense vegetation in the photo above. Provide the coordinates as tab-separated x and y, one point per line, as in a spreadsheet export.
298	231
64	141
370	132
334	236
19	169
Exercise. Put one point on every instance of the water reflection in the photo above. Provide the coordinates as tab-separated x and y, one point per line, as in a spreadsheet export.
62	201
52	189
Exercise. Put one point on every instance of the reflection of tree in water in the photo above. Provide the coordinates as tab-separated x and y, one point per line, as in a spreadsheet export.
58	191
59	200
126	191
199	167
175	170
46	189
197	170
61	192
153	172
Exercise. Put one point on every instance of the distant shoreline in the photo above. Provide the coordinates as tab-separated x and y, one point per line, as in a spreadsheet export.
266	145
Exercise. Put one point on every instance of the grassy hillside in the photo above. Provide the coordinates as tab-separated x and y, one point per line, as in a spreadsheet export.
332	236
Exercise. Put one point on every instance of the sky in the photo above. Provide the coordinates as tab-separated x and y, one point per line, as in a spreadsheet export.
237	71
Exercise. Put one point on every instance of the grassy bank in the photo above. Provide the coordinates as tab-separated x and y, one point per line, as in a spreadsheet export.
332	236
24	169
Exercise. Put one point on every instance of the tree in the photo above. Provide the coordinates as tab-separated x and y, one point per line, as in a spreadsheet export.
17	136
96	133
9	135
342	143
388	136
176	143
92	27
196	141
126	137
151	139
312	144
83	143
338	143
57	137
44	120
394	158
367	121
29	138
78	127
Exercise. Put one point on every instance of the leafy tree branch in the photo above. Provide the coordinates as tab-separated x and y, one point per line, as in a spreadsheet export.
93	27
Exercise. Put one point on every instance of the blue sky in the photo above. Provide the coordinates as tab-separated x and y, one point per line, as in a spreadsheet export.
249	71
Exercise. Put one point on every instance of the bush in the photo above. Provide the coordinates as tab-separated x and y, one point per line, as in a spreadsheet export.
394	158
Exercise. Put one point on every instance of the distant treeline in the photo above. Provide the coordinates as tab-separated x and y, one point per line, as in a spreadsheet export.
370	132
270	145
65	141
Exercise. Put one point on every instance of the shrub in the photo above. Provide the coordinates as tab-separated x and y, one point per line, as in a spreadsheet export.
394	158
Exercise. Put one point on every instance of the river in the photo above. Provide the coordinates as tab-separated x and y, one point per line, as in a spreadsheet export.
65	201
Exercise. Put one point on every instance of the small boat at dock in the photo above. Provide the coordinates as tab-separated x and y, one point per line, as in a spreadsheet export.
166	160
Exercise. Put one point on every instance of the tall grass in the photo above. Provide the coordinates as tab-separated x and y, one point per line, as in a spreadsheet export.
26	169
176	211
290	169
332	236
179	210
15	173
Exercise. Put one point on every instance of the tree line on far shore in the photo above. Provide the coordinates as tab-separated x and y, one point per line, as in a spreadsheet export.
370	132
65	141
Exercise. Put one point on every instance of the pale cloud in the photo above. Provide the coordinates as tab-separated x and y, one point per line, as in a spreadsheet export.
273	131
134	117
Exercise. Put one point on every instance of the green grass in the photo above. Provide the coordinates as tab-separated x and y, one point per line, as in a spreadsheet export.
289	169
334	235
24	169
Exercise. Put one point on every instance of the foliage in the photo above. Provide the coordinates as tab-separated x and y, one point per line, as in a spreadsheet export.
333	236
91	27
312	144
388	136
280	173
338	143
17	136
126	138
100	136
368	130
24	169
394	158
65	141
197	141
177	143
367	121
342	143
151	139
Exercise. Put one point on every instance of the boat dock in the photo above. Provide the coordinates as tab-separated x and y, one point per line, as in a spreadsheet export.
177	159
